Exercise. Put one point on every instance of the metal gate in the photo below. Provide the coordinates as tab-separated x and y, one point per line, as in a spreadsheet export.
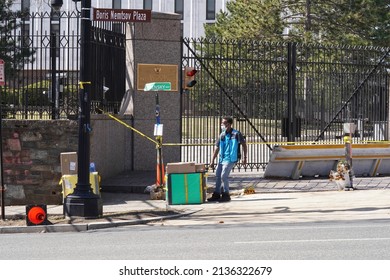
282	93
108	58
43	56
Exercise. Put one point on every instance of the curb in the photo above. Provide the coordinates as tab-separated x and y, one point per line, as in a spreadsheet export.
89	226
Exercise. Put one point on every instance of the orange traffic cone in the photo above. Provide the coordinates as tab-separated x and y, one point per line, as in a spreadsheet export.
36	215
160	175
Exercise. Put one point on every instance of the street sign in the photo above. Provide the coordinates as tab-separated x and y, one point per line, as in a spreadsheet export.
2	74
158	86
121	15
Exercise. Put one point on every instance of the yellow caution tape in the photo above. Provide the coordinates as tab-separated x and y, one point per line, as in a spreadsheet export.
284	143
132	128
83	83
347	139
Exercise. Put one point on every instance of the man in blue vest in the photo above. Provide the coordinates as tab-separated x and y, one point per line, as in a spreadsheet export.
227	149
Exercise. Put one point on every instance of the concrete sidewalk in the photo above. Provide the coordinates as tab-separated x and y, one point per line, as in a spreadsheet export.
275	201
294	201
136	181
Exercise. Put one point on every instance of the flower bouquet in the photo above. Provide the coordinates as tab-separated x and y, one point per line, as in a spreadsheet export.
341	175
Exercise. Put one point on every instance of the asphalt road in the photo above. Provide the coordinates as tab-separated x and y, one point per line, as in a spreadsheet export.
357	240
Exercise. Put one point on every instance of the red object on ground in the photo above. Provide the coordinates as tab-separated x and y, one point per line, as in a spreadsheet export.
36	215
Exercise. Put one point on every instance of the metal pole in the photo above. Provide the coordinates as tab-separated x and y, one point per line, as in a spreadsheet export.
2	190
348	159
1	161
348	148
160	166
53	49
54	53
291	114
84	100
83	202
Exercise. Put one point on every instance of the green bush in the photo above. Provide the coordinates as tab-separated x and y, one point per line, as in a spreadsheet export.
36	94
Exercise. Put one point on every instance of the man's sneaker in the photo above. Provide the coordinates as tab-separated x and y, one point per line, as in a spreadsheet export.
215	197
225	197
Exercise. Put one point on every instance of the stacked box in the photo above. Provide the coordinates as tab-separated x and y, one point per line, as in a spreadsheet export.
181	167
69	183
200	167
186	188
69	175
68	163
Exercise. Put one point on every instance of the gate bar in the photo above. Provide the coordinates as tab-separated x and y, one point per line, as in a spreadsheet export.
228	96
353	94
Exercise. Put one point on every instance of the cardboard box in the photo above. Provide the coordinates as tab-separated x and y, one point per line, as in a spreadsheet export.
180	167
200	167
68	163
69	183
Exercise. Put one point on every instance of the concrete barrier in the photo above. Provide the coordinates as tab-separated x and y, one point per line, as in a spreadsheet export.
296	161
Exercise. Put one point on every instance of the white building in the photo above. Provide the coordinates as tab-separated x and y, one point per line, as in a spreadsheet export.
195	13
40	26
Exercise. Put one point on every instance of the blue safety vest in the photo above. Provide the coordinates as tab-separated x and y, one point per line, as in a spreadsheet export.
229	144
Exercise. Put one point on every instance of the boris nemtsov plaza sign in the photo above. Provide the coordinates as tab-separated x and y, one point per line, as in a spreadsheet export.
127	15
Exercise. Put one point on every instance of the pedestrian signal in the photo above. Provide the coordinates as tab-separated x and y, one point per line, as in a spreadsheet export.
189	77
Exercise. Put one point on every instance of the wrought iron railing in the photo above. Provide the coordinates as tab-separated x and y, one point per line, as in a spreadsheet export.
283	93
37	55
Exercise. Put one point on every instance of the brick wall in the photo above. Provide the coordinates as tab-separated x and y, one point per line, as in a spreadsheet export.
31	159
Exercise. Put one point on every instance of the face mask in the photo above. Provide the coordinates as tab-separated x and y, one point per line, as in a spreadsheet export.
223	128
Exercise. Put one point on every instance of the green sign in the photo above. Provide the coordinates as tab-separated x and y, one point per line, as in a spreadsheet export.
158	86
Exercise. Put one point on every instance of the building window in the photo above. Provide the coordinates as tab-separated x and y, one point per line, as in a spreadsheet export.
210	9
25	25
117	26
179	5
148	4
116	4
25	8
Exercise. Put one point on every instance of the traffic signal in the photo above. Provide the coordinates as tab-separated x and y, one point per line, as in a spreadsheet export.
36	215
189	77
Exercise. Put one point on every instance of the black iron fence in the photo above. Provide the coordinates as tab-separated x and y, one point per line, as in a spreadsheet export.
276	92
42	58
283	93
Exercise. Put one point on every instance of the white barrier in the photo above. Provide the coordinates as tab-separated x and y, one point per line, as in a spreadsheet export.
296	161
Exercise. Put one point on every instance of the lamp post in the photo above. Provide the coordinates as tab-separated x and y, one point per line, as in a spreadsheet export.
83	202
2	190
54	34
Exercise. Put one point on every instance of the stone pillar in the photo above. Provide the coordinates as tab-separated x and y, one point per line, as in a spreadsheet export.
156	42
